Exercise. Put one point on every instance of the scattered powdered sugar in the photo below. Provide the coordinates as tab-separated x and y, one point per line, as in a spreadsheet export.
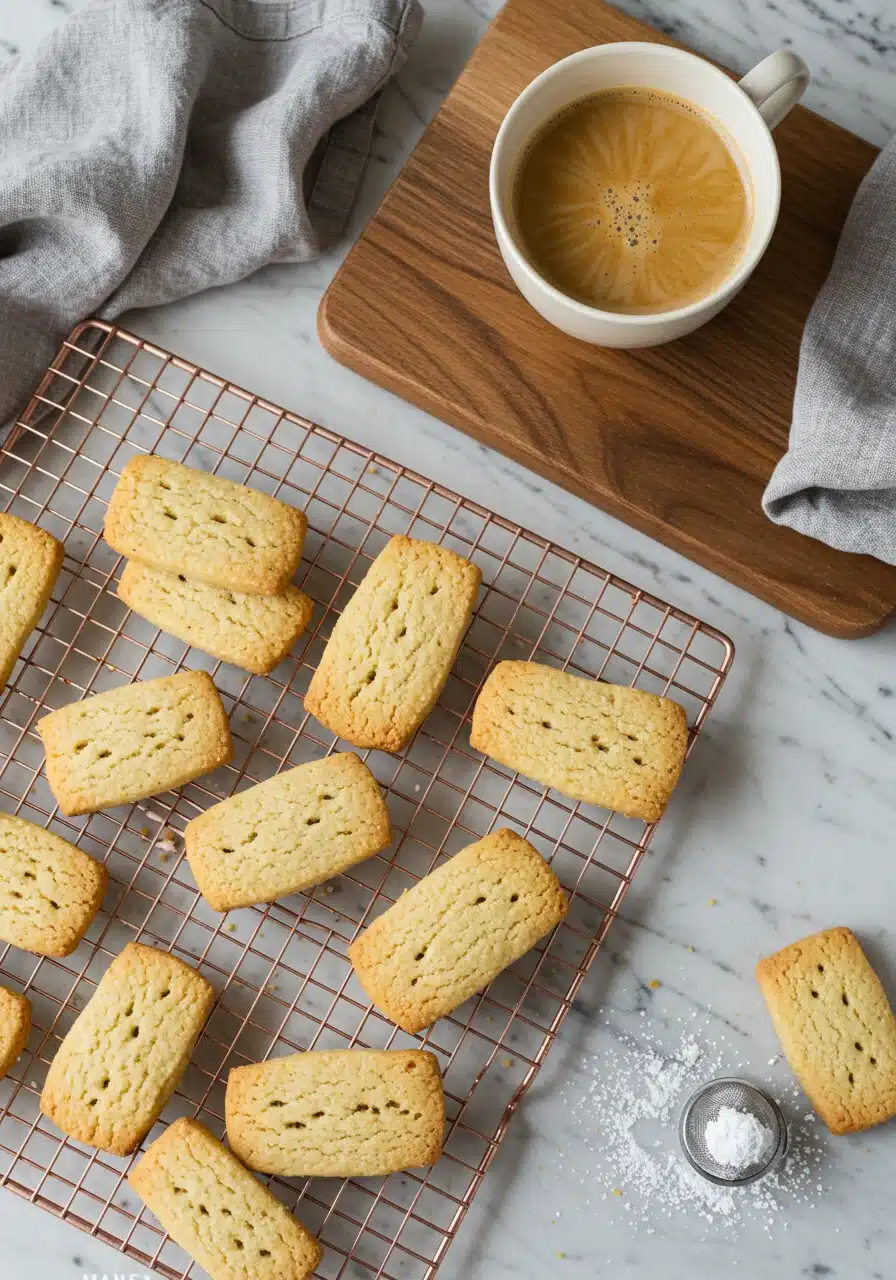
737	1139
628	1118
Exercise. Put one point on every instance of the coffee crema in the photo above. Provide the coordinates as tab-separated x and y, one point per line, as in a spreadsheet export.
631	200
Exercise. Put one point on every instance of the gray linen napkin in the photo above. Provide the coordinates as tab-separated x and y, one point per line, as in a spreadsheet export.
152	148
837	481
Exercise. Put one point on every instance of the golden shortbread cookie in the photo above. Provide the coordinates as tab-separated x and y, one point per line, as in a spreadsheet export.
49	889
135	741
603	743
176	518
218	1211
128	1048
288	833
30	560
393	647
15	1027
836	1027
337	1113
457	929
251	631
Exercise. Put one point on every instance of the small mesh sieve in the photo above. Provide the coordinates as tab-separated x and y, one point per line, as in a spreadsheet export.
705	1105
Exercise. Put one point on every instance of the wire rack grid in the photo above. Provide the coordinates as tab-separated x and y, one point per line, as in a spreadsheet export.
281	973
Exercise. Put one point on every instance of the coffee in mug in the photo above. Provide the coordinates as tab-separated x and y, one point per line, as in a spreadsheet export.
633	201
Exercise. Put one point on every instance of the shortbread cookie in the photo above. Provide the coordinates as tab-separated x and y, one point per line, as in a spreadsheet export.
30	560
176	518
49	890
251	631
125	1053
289	833
454	931
603	743
836	1027
394	645
218	1211
337	1113
15	1027
132	742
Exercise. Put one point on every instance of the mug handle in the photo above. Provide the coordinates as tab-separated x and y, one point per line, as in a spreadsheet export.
775	85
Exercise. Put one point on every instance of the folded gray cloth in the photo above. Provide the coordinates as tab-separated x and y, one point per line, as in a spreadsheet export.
152	148
837	481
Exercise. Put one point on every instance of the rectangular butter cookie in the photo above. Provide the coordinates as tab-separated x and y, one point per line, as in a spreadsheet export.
234	1227
337	1113
393	647
126	1051
288	833
15	1027
603	743
49	889
30	560
836	1027
457	929
251	631
176	518
135	741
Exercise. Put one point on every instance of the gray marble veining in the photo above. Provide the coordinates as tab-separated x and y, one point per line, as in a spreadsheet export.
784	821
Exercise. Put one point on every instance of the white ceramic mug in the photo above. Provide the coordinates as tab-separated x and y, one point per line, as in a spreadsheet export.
747	110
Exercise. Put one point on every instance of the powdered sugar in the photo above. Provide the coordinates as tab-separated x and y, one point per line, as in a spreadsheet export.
737	1140
628	1118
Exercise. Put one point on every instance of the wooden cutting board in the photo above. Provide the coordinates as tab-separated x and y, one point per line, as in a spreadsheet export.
677	440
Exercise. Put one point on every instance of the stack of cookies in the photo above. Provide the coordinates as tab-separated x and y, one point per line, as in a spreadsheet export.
210	561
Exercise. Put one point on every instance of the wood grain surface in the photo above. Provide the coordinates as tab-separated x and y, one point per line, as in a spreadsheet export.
677	440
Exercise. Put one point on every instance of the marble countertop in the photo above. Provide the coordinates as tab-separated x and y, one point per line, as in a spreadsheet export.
782	825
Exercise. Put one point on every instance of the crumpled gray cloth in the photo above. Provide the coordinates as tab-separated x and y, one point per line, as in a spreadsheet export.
152	148
837	481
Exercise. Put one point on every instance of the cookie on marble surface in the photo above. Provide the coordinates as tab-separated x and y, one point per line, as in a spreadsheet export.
836	1027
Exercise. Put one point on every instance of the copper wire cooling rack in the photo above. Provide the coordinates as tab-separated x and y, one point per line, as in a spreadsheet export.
281	972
